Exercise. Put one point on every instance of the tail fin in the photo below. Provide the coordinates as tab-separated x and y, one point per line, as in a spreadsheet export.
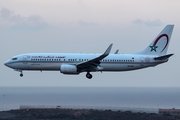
159	45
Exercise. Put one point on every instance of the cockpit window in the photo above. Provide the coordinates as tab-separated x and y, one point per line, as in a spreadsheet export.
14	58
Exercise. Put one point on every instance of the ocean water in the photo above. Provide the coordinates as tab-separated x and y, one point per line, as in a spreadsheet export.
13	97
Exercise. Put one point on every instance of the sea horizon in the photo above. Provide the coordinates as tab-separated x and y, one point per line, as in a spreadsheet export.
112	97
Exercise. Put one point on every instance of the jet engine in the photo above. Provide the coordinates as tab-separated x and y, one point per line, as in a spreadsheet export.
68	69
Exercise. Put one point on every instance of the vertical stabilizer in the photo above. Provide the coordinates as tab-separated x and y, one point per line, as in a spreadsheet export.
159	45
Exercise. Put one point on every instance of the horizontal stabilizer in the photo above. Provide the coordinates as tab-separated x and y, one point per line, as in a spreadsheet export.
164	57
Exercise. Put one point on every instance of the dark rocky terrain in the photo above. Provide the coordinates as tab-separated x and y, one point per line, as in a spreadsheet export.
81	114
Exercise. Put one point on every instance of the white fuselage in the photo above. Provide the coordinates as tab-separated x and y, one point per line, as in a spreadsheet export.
53	61
69	63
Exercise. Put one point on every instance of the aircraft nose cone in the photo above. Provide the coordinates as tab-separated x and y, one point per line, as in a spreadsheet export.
6	63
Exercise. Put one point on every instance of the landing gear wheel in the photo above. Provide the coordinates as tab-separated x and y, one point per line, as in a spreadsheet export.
88	75
21	75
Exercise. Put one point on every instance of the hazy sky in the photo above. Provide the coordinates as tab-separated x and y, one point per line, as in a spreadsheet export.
76	26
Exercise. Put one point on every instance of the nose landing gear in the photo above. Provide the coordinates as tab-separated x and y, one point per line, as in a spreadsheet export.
88	75
21	73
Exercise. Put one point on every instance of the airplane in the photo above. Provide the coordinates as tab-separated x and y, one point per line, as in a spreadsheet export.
76	63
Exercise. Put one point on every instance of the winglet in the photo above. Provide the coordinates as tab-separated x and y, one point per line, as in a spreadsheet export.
116	51
106	53
96	61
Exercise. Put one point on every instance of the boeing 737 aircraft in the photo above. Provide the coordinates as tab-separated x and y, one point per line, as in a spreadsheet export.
74	64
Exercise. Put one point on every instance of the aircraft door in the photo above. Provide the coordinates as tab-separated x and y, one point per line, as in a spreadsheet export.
142	61
26	59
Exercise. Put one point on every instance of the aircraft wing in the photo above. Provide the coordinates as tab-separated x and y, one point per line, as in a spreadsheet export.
93	64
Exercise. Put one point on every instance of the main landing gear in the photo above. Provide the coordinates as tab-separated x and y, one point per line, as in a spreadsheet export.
88	75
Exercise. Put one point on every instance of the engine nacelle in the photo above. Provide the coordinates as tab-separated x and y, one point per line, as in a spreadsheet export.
68	69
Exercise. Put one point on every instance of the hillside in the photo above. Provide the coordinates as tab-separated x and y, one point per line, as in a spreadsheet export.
81	114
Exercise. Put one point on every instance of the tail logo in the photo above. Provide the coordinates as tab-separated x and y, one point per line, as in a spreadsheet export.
154	47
